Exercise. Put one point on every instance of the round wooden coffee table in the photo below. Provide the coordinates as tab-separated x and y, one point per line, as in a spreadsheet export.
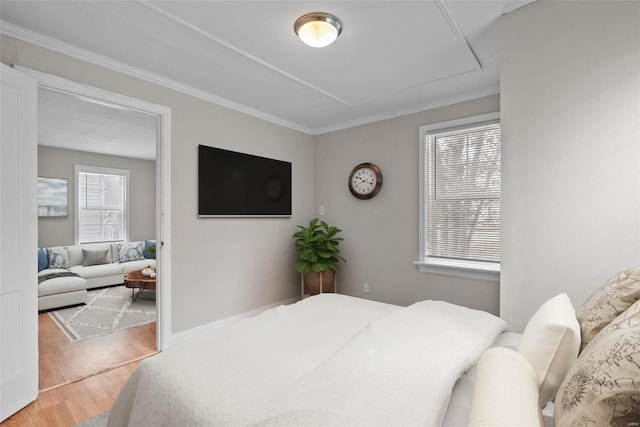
136	280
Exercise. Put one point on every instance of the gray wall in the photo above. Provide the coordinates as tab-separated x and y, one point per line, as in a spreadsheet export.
570	96
220	267
58	163
571	182
381	234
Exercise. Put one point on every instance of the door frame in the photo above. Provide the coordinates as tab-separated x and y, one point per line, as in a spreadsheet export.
163	182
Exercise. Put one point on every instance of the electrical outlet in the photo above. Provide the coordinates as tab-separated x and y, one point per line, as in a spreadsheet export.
321	210
366	288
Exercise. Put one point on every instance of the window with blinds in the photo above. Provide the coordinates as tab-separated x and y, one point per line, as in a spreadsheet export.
462	195
101	210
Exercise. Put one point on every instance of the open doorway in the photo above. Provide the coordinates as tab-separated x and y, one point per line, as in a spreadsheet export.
87	126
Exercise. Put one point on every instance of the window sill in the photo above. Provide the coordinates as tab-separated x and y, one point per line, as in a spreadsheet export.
476	270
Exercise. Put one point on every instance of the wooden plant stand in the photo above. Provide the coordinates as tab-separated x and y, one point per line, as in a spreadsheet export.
302	294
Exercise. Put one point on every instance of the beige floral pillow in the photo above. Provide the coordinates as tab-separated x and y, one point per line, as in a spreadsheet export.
603	388
606	303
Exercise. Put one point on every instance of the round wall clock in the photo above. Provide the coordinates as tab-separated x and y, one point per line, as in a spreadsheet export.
365	181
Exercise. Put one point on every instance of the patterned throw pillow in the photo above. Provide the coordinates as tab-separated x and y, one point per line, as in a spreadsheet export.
129	252
606	303
603	388
58	257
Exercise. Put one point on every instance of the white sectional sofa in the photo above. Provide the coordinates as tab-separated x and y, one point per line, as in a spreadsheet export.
96	264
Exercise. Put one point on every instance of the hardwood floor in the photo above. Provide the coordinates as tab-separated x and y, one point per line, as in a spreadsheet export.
62	361
69	404
78	381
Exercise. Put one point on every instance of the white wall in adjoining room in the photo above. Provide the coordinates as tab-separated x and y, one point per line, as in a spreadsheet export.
219	267
570	97
381	234
59	163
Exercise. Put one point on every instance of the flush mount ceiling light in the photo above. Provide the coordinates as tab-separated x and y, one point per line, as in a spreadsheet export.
318	29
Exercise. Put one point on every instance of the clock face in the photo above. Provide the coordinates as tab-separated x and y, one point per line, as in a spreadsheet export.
365	181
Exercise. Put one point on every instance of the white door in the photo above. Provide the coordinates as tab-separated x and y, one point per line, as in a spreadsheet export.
18	242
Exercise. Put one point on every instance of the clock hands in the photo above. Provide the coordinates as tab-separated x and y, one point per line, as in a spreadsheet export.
363	181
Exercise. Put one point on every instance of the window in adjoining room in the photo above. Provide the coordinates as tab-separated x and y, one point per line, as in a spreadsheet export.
460	197
101	204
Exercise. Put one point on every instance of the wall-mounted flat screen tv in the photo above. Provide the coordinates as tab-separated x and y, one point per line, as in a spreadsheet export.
232	184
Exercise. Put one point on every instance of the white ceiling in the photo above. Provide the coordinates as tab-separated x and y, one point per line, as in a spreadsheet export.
68	121
392	58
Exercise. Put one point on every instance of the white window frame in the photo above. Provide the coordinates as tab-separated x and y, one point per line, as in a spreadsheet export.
460	268
77	169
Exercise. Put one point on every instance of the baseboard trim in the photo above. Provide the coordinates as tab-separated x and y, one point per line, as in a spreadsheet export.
199	330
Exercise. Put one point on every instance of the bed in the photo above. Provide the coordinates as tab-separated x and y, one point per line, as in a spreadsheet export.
337	360
329	359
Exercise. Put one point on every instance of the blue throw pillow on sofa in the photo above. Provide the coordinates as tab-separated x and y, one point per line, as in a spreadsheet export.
149	249
43	260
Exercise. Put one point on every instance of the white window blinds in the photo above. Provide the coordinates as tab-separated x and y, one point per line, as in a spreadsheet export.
463	193
101	204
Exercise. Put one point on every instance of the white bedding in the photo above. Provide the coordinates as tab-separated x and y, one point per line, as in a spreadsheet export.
399	370
255	370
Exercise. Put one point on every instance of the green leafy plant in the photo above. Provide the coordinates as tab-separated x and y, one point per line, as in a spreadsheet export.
317	246
152	250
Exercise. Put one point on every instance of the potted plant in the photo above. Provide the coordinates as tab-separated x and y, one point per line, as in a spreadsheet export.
318	255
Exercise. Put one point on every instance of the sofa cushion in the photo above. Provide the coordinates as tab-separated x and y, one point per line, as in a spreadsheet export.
607	302
60	285
137	265
43	259
99	270
58	257
130	251
602	389
97	256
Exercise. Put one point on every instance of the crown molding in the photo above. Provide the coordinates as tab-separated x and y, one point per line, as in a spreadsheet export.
37	39
491	90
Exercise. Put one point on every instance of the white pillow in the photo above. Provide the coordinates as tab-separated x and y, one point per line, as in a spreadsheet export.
505	392
550	344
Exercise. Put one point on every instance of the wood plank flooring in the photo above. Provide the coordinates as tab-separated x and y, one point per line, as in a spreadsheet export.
69	404
62	361
78	381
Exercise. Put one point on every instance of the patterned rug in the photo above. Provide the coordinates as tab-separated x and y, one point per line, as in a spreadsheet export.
107	310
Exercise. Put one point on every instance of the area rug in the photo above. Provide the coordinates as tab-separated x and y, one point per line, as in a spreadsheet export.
108	310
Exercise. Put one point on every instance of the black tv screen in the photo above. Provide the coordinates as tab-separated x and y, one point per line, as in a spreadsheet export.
238	184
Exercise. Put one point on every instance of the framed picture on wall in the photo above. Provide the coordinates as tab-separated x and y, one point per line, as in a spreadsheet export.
52	197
